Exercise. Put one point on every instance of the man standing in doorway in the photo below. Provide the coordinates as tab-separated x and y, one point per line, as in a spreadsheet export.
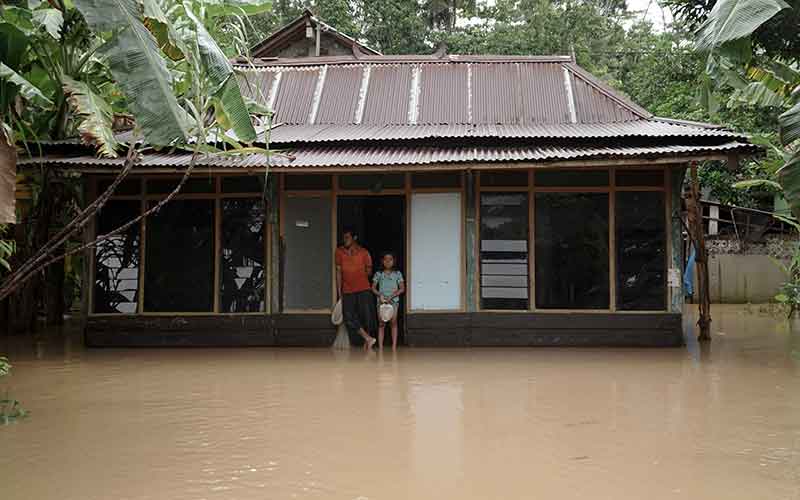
353	267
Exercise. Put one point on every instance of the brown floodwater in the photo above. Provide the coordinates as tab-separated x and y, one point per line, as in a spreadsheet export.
562	423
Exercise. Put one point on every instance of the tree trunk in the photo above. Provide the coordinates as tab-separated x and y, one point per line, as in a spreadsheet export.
694	221
8	178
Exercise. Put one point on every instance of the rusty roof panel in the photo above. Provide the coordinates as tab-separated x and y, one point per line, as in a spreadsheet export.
256	85
339	98
393	155
593	106
543	96
295	94
354	133
387	95
443	94
495	93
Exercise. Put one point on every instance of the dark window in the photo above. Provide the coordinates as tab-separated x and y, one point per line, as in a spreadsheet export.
243	184
126	187
198	184
242	259
373	182
505	179
307	182
571	178
436	180
572	251
116	272
641	251
640	178
504	251
179	269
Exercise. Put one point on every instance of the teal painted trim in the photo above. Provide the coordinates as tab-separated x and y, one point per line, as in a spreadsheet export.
676	183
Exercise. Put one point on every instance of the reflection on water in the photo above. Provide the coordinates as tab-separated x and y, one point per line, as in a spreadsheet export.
699	423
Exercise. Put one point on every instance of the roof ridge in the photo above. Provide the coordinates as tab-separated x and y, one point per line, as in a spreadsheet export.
607	91
403	59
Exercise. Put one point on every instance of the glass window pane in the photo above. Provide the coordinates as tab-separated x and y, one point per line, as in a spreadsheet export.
116	272
127	187
179	269
242	258
436	180
373	182
243	184
571	178
307	182
504	251
572	251
193	185
640	177
641	251
505	179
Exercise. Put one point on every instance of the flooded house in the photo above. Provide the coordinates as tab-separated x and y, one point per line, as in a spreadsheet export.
527	203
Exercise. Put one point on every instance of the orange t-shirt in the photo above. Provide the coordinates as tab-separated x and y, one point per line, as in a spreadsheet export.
354	269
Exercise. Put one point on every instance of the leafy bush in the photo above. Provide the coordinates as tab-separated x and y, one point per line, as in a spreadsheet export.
10	409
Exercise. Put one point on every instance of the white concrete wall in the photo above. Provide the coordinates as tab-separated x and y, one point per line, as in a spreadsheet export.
742	278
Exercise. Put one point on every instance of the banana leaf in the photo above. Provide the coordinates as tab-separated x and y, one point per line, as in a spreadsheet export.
139	69
50	20
789	176
26	89
790	124
95	114
230	106
732	20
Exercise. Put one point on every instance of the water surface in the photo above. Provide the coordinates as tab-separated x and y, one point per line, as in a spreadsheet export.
561	423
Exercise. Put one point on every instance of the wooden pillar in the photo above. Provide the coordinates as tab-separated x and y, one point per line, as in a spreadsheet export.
470	219
274	204
675	190
694	220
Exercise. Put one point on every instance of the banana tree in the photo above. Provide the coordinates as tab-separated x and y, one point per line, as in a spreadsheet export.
179	86
771	83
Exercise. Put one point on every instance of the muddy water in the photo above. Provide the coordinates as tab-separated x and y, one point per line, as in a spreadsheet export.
468	424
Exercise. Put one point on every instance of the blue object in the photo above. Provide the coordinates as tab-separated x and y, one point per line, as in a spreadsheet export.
688	275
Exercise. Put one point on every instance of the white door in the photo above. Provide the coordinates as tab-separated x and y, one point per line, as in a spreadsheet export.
436	247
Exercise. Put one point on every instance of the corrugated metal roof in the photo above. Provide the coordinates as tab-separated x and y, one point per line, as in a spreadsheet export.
354	133
443	94
295	93
448	91
593	108
387	96
394	155
339	99
256	85
543	95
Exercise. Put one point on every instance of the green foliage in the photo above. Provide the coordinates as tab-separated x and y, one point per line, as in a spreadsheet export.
10	409
138	67
7	249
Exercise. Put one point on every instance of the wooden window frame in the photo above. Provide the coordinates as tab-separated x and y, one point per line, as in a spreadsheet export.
611	190
217	196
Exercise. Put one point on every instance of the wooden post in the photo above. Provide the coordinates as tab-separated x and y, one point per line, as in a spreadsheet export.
471	237
694	220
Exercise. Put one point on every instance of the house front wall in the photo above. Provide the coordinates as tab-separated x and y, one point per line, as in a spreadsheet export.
543	256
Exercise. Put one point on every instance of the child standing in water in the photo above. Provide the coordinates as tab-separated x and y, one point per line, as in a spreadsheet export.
388	285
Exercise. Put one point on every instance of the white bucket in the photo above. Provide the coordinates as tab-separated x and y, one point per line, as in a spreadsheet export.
386	312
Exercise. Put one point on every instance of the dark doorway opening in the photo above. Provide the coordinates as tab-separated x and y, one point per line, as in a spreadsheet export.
380	222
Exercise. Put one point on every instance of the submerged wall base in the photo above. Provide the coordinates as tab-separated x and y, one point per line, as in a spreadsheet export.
423	330
545	329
